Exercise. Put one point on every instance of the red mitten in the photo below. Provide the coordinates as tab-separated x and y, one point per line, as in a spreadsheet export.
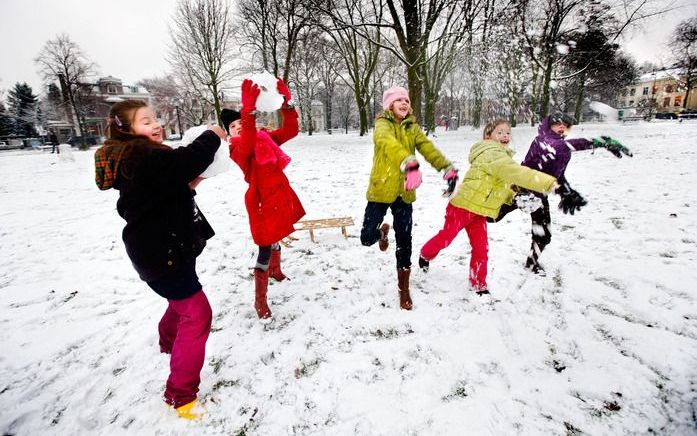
250	92
284	91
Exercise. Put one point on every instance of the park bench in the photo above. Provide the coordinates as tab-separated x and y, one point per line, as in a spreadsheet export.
325	223
633	118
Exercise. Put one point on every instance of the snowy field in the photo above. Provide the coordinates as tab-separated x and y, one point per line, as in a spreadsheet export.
606	344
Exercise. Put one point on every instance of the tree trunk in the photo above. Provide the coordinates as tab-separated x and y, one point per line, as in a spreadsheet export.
429	112
579	97
513	119
547	80
415	88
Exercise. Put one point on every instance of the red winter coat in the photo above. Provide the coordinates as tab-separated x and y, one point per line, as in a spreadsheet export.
272	205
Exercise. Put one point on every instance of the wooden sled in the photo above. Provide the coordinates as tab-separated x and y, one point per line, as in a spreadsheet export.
325	223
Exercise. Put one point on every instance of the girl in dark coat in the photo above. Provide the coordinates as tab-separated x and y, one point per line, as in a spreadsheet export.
164	232
272	205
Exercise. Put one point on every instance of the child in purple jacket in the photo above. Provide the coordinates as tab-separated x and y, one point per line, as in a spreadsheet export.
550	153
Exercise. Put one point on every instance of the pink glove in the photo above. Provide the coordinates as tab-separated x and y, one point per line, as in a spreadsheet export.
450	174
413	179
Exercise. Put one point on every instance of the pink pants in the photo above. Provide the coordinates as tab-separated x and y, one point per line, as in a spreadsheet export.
455	220
184	329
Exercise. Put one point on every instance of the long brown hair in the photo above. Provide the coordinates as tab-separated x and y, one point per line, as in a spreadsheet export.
491	126
121	117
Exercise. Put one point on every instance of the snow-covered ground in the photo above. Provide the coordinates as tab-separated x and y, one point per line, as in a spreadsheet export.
605	344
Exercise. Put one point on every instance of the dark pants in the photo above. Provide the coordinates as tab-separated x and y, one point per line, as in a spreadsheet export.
541	233
265	255
401	224
541	224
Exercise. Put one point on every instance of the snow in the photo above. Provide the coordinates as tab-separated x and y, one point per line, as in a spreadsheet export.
609	112
269	99
605	344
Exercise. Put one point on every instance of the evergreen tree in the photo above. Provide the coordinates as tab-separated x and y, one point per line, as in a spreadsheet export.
5	125
22	110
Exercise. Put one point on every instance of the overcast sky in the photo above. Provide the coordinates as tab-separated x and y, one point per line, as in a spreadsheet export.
128	38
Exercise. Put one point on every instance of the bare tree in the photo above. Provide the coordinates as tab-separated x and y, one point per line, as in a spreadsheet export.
305	76
684	48
62	59
546	26
201	33
358	53
272	30
166	99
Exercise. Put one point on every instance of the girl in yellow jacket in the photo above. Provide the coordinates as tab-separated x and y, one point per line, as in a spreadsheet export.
394	178
485	188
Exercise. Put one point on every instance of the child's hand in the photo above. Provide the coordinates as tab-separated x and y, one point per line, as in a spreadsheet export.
218	131
451	178
250	92
284	91
194	183
612	145
413	179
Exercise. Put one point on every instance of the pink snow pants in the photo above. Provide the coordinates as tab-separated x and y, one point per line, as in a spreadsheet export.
455	220
184	329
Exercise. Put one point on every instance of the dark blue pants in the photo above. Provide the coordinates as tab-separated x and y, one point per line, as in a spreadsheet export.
401	224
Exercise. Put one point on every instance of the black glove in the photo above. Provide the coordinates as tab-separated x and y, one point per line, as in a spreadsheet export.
613	146
571	200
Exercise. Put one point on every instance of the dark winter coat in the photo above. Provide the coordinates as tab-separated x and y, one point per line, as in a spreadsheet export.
550	152
164	228
272	205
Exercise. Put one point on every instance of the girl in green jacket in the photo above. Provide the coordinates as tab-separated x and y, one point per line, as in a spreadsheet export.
485	188
394	178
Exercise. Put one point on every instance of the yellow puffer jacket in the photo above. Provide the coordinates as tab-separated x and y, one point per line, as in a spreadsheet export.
487	184
395	145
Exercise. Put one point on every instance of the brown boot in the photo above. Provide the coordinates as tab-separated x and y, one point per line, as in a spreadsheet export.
275	266
383	243
403	283
261	286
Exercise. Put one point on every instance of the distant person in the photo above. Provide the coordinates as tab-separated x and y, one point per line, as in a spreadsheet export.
164	233
394	177
272	204
550	152
54	142
485	188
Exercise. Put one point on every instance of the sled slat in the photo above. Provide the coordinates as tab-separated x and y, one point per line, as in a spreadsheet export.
325	223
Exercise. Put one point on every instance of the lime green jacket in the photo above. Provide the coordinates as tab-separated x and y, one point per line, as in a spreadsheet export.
395	145
487	184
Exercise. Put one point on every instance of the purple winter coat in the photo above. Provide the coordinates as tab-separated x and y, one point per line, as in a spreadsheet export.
550	152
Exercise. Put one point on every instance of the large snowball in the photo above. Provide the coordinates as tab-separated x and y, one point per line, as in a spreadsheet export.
221	160
269	99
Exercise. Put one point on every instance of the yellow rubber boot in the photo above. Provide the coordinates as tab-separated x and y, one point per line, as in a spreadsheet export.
192	411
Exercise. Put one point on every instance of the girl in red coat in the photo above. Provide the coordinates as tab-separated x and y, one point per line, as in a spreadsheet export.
272	205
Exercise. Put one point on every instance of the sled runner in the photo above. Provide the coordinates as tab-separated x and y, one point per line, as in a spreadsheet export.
325	223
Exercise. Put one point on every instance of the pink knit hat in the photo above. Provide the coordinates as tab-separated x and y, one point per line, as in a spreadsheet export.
392	94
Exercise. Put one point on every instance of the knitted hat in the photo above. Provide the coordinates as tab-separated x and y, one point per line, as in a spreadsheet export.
227	116
561	118
393	94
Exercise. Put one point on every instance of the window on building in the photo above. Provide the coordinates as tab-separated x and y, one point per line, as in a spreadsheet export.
645	91
669	88
666	102
632	91
678	101
111	89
